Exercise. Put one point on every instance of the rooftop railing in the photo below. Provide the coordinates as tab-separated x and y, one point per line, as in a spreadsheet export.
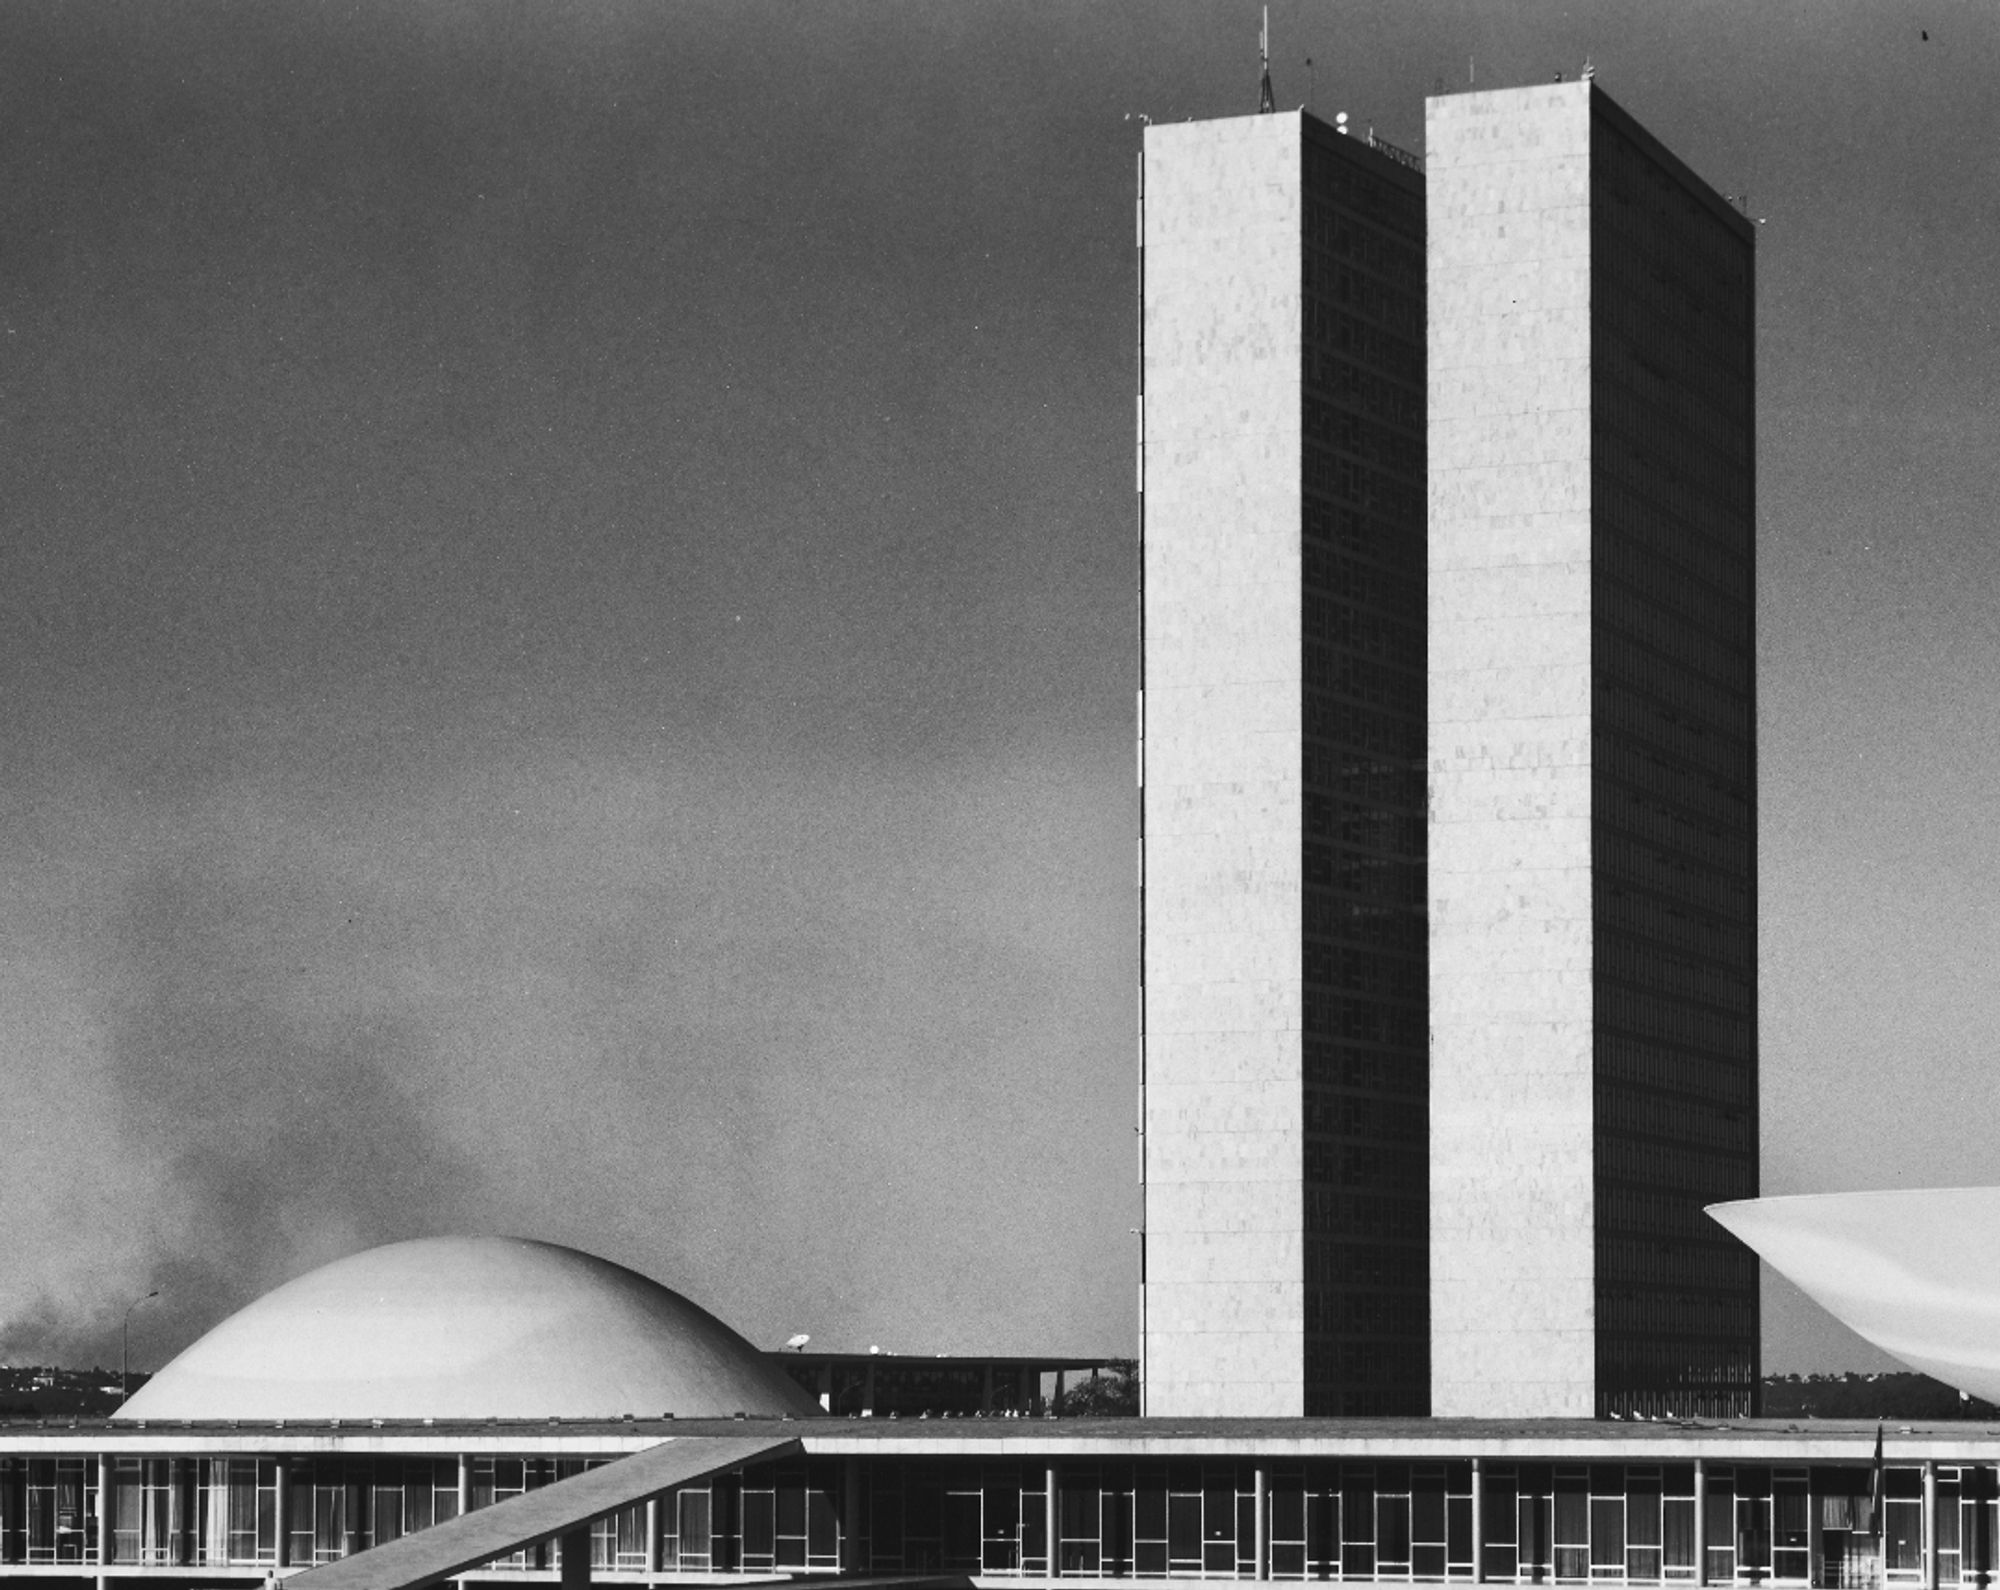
1401	156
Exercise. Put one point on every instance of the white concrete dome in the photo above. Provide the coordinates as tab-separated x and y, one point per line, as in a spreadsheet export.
468	1328
1915	1271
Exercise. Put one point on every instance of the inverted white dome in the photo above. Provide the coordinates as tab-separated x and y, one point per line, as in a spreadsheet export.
468	1328
1916	1272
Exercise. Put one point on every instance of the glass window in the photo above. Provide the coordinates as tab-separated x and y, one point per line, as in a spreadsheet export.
1721	1527
1572	1525
1791	1530
1000	1542
1607	1537
1903	1536
1392	1534
760	1527
962	1545
695	1542
1184	1527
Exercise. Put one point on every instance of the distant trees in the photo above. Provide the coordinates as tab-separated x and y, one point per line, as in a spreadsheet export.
1898	1394
1112	1395
32	1392
1894	1395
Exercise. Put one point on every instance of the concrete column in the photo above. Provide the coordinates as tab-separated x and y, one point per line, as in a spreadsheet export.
281	1513
986	1388
850	1515
825	1380
464	1502
1052	1516
1700	1522
1930	1525
176	1513
1981	1554
1260	1527
1027	1382
104	1470
653	1536
576	1559
1478	1522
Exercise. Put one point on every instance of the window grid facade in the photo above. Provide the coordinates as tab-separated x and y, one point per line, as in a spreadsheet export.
1673	786
1366	1176
1324	1519
48	1510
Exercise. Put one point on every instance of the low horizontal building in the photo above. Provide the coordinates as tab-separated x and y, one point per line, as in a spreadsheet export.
492	1411
873	1385
1368	1501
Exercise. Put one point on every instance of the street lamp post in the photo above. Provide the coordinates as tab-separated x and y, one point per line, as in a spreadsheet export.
125	1350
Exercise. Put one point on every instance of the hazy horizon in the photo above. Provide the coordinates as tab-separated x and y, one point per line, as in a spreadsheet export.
571	578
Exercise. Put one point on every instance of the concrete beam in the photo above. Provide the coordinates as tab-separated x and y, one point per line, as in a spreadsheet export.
564	1510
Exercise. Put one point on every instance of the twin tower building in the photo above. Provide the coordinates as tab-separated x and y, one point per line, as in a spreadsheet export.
1448	729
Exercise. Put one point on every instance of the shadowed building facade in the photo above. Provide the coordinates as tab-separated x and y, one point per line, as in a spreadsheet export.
1447	753
1281	763
1592	765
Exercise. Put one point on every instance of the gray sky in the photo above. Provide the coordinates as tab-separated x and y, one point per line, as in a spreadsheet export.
569	626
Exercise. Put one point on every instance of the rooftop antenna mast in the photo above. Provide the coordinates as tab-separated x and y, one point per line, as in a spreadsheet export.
1266	102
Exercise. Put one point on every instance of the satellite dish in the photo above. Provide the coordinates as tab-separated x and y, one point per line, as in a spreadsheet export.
798	1342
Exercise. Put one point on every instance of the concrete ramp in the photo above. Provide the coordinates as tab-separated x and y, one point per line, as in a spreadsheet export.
562	1511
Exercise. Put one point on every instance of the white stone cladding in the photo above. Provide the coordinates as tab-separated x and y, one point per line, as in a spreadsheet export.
1223	797
1509	351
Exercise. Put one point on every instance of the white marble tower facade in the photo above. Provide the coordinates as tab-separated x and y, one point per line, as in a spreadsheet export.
1281	748
1223	779
1592	765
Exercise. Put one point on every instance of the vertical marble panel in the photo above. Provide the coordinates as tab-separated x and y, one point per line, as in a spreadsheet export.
1222	461
1509	351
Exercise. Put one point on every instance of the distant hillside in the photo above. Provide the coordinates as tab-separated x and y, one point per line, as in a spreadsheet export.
1899	1395
46	1392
